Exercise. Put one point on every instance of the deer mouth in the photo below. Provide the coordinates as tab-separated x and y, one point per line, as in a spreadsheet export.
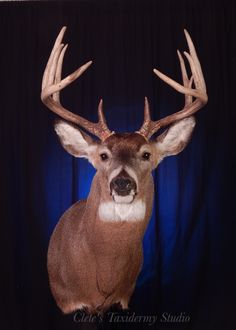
123	199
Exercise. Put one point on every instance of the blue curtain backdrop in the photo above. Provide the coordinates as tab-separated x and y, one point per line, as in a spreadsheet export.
189	246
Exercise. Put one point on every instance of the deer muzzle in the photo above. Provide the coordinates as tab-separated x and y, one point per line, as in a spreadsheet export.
123	188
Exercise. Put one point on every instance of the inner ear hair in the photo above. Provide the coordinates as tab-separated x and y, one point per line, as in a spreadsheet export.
87	137
74	141
175	138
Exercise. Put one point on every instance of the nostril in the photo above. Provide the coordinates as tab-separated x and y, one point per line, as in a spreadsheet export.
128	183
123	184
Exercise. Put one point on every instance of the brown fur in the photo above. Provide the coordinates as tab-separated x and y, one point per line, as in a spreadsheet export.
95	263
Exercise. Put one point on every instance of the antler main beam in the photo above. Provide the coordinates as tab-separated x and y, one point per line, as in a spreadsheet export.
52	85
150	127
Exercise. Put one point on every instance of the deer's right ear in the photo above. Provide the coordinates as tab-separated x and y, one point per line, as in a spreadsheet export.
74	140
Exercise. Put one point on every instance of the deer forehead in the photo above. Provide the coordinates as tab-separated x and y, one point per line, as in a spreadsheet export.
125	145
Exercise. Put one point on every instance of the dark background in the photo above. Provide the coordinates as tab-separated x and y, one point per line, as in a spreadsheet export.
190	244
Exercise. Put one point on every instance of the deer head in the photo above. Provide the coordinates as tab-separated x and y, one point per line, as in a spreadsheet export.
133	151
123	186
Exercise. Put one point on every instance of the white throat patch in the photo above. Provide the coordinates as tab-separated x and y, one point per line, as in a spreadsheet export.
112	211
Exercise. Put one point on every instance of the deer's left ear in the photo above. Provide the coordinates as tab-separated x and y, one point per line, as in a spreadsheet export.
174	139
74	140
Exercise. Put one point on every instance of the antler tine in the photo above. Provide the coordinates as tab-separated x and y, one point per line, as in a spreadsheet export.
51	57
194	56
149	127
186	81
52	85
56	96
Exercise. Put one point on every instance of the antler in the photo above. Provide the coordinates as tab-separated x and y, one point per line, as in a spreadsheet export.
149	127
52	84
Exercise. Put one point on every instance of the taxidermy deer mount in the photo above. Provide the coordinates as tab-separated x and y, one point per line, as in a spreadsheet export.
95	252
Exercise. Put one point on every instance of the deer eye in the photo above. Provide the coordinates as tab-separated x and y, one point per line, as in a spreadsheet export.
104	156
146	155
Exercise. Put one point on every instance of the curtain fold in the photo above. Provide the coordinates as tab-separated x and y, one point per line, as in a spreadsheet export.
189	246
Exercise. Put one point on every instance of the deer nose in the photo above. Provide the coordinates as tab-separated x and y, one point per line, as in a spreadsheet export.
123	185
